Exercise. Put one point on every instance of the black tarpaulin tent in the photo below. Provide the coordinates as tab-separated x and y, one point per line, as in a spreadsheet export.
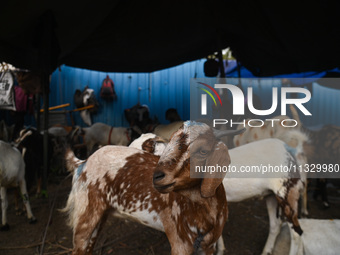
267	37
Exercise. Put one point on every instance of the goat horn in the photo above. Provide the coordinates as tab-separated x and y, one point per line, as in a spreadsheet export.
222	133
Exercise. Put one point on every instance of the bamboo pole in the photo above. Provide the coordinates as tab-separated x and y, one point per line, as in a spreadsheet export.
83	108
56	107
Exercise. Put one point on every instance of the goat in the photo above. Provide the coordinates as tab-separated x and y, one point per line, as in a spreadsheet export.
12	173
31	141
172	115
293	137
6	132
165	131
59	138
320	237
156	191
150	142
283	191
138	115
102	134
86	98
323	148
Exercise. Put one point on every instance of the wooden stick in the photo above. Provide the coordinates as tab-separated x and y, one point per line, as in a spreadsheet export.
56	107
83	108
59	246
21	247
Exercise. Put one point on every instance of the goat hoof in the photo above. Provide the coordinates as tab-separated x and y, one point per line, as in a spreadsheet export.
4	227
32	220
304	215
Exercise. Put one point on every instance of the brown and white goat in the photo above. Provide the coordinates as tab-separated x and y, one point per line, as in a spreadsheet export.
282	192
156	191
151	143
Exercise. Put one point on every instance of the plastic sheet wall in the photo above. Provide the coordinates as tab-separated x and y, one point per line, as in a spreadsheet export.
159	90
169	88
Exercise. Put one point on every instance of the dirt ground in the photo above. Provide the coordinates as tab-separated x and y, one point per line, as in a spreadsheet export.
245	232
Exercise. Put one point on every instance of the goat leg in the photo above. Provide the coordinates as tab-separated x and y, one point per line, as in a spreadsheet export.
4	205
23	190
274	225
86	232
220	246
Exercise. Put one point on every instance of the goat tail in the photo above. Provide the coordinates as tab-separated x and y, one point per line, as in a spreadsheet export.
69	209
78	198
295	115
72	162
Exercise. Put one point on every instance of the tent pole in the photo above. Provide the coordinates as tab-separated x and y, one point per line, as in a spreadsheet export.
45	81
220	57
38	118
220	61
239	74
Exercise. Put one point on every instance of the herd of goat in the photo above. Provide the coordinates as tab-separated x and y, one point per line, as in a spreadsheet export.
145	176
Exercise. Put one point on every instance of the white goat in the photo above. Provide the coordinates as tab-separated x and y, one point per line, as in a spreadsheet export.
12	174
85	114
295	138
157	192
319	237
283	191
165	131
102	134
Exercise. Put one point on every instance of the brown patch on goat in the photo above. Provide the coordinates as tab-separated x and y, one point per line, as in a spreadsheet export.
83	178
289	204
91	220
182	147
199	218
183	143
132	183
149	145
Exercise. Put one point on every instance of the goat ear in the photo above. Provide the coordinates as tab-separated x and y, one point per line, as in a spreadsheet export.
220	157
149	145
